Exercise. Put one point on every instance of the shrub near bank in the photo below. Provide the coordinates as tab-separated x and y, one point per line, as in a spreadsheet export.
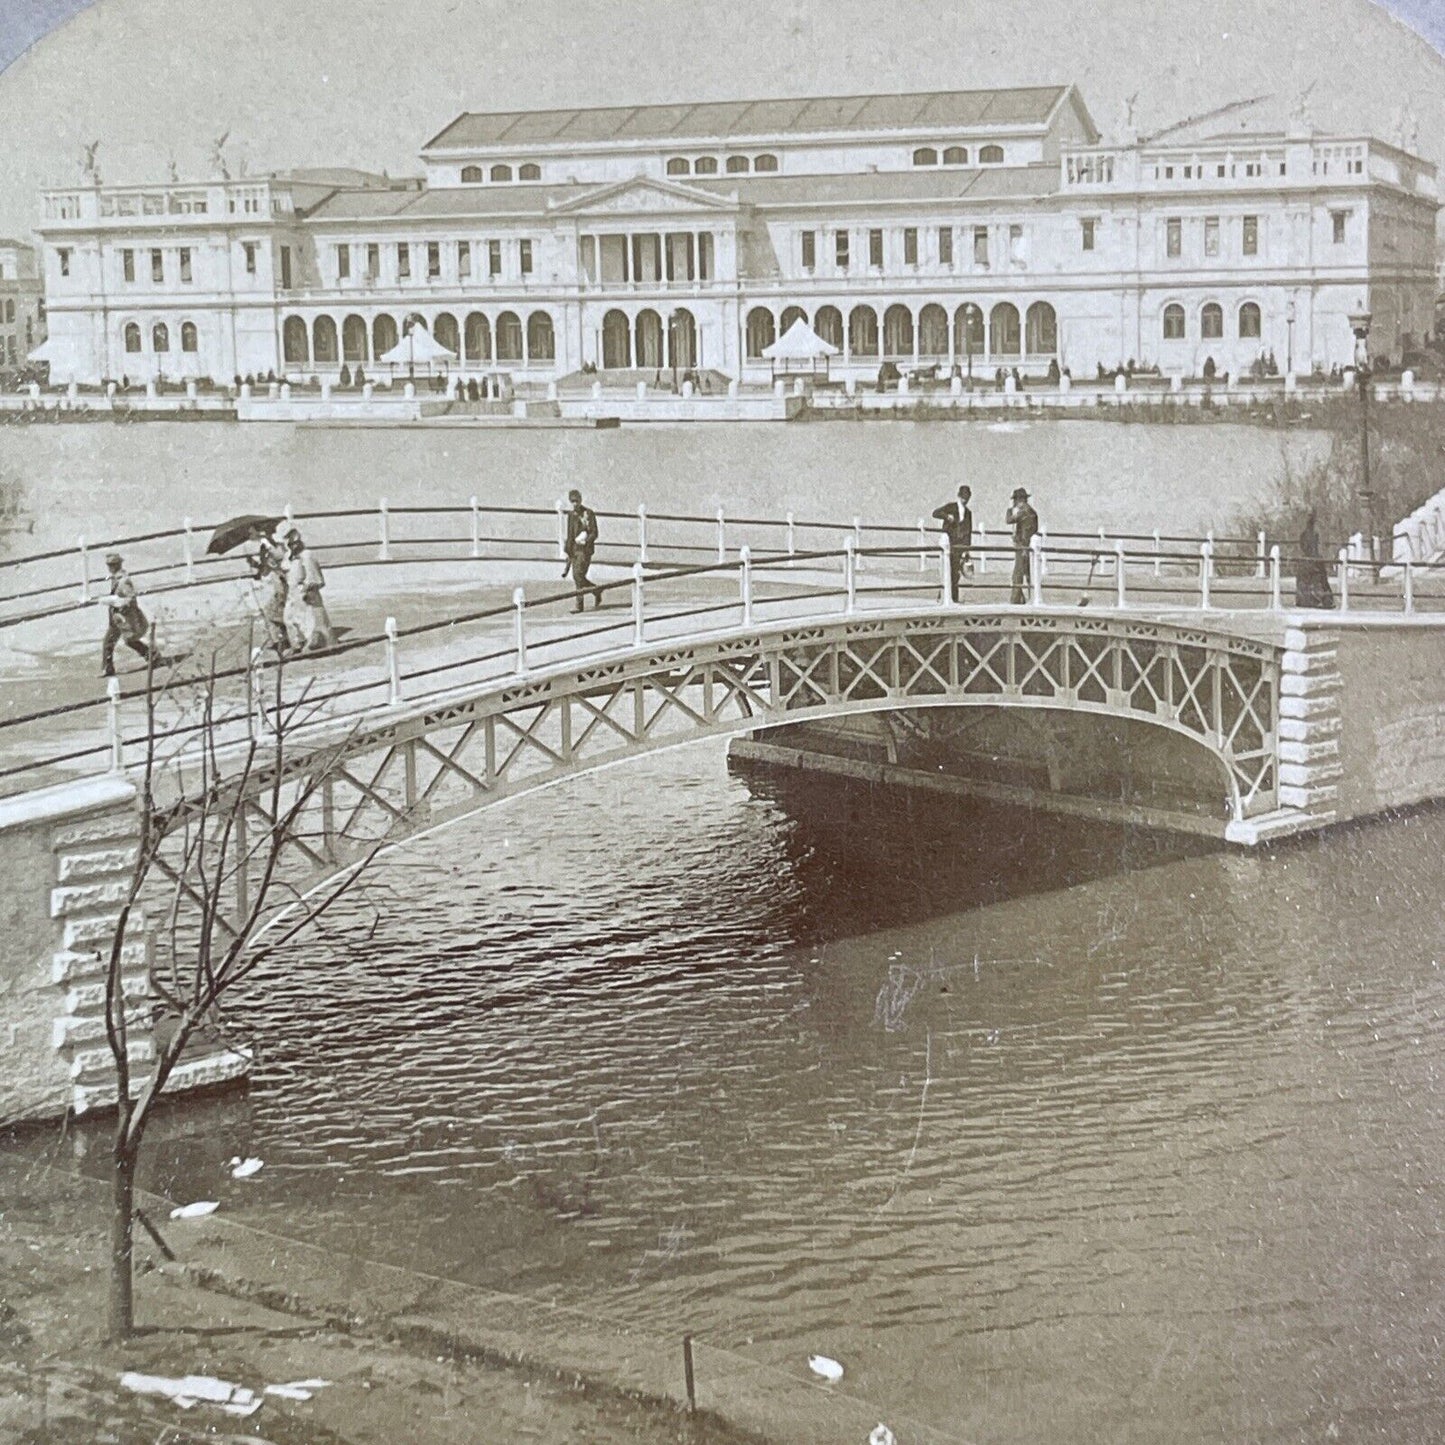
1407	467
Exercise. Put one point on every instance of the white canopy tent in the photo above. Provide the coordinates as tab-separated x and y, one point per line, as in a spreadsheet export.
800	350
417	348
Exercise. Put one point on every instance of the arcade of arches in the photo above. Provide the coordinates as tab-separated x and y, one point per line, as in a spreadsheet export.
473	337
917	333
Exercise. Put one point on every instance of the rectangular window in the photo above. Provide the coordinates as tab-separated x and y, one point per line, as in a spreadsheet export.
373	262
1088	224
494	258
980	245
250	247
875	249
343	263
910	245
704	256
185	265
433	260
810	250
464	258
1174	236
158	266
403	261
127	264
945	245
1251	235
1337	220
1017	251
524	256
285	268
840	250
1211	235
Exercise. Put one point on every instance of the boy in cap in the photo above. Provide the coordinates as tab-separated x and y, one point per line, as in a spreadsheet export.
581	540
127	622
1025	522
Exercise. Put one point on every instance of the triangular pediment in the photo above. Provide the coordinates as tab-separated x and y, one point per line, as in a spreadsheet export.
644	195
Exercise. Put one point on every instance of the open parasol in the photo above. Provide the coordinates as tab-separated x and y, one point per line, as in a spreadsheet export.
237	530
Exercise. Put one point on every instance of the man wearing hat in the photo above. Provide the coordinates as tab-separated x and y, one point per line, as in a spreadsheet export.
957	523
1025	522
127	622
581	540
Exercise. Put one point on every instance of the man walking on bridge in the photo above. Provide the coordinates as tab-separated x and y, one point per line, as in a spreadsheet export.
579	545
1025	522
957	520
127	622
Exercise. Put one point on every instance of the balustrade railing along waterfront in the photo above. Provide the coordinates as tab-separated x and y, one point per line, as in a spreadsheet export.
751	589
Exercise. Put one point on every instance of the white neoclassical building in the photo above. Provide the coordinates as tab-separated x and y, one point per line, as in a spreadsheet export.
975	229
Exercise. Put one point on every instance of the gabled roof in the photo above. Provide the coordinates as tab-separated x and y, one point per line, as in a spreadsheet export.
645	193
938	110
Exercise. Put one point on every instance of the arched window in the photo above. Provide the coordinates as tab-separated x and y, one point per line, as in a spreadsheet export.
737	165
132	337
1004	337
444	332
705	166
990	155
649	339
1174	323
160	337
353	339
1041	327
294	346
898	331
471	175
323	332
501	173
479	337
761	331
190	341
1249	321
828	323
1211	321
679	166
969	336
956	156
863	331
383	335
509	336
682	337
765	162
529	172
541	340
933	331
790	315
616	341
925	156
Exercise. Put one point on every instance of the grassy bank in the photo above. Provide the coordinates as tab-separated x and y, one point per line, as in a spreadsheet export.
220	1311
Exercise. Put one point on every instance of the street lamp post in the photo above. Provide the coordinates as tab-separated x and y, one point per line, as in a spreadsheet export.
1360	325
1289	320
968	314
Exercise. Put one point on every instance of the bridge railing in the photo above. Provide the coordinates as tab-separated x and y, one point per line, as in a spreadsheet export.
67	580
368	675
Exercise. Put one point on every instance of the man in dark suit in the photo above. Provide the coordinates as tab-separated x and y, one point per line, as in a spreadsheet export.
127	622
957	525
580	542
1025	522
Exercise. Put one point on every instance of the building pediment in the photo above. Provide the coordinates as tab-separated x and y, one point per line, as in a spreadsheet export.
643	195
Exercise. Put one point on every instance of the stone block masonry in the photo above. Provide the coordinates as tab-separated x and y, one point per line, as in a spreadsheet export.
67	854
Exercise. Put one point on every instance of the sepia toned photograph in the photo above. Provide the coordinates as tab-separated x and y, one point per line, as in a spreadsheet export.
722	725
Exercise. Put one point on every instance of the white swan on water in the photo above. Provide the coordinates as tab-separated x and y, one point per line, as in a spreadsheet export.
825	1368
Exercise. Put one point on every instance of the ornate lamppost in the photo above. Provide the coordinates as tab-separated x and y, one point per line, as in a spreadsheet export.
1360	325
969	312
1289	320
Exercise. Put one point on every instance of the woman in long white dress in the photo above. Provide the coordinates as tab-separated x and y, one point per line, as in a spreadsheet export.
306	613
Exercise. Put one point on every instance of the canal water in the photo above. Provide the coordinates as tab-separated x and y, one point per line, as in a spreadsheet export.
103	481
1047	1131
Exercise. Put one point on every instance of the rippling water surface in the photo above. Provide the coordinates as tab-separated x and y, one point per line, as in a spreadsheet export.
1049	1132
